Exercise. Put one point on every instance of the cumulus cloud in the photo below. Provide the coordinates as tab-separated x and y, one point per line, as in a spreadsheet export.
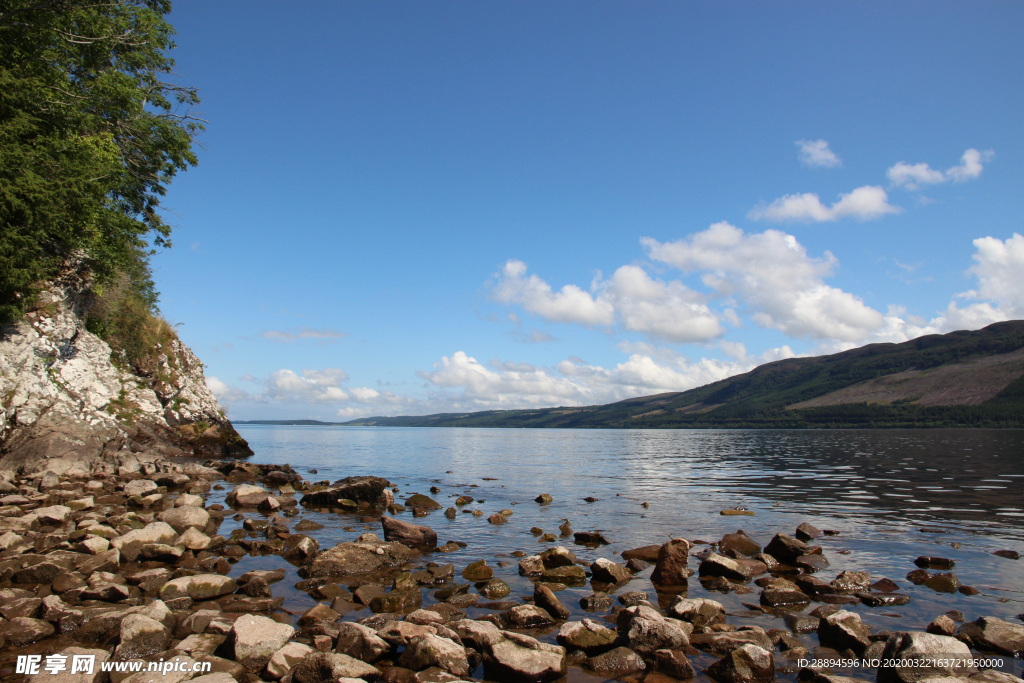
312	386
864	203
912	176
568	305
631	297
226	393
816	154
328	335
772	274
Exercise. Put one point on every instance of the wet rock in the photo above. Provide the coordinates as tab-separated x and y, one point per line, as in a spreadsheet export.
450	513
926	562
361	642
22	631
799	623
608	571
531	565
528	616
430	650
738	542
408	534
516	658
186	517
636	566
700	612
671	568
545	598
673	663
992	634
494	589
943	582
923	648
587	635
647	553
199	587
806	532
844	630
1008	554
373	491
747	664
723	643
885	586
738	570
919	576
591	538
598	602
814	562
557	557
615	663
254	639
308	525
155	532
478	571
852	582
141	636
633	598
883	599
544	498
784	598
422	502
246	495
328	667
318	612
401	633
942	625
285	659
359	557
193	539
644	630
567	575
403	600
785	549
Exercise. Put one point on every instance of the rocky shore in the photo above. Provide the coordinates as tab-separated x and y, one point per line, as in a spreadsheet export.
128	566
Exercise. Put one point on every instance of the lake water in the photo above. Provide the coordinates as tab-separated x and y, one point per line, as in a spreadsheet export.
892	495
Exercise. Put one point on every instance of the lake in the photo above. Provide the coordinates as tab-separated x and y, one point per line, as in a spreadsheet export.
891	495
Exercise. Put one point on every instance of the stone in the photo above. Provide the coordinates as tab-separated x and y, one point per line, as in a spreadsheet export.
785	548
22	631
569	575
852	582
883	599
598	602
559	556
724	643
246	495
254	639
608	571
941	625
285	659
199	587
747	664
54	515
361	642
783	598
477	571
737	570
429	650
647	553
418	500
70	653
317	613
671	568
992	634
188	499
587	635
923	648
497	518
544	498
141	636
155	532
926	562
644	630
943	582
528	616
844	630
299	547
407	533
359	557
186	517
517	658
328	667
700	612
738	542
140	487
494	589
193	539
673	663
402	600
200	644
546	599
615	663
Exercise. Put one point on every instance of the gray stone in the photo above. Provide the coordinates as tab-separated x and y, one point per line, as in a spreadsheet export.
255	639
747	664
919	647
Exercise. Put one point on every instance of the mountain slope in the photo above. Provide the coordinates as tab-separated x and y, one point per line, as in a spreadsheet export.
960	379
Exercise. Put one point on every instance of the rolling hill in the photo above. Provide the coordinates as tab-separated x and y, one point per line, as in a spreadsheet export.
960	379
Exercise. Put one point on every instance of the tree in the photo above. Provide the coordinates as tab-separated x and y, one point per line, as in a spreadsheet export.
91	133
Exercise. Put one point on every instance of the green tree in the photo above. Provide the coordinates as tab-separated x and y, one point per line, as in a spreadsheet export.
91	132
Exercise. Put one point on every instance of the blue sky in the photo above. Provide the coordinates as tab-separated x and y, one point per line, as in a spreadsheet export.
406	208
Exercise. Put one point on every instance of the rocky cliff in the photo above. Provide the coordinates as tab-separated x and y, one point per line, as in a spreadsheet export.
68	408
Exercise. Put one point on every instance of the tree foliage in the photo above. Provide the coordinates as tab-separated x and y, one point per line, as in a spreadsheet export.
91	132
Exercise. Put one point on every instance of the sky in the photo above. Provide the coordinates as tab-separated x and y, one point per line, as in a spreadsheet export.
407	208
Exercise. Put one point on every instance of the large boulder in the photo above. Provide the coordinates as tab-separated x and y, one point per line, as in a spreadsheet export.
186	517
98	675
517	658
359	557
429	650
587	635
785	548
994	635
615	663
255	639
673	558
328	667
154	532
199	587
361	642
844	631
246	495
285	659
700	612
408	534
933	653
141	636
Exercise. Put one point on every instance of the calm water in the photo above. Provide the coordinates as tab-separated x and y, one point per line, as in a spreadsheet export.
893	495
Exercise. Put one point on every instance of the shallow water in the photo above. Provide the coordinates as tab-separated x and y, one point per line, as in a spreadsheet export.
892	495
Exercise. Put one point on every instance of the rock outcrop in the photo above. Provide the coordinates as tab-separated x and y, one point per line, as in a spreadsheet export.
66	407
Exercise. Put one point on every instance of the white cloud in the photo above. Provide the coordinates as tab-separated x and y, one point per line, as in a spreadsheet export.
569	305
999	267
816	153
316	386
639	303
225	393
774	277
912	176
863	203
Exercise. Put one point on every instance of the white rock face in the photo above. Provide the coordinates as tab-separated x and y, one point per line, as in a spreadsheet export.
68	409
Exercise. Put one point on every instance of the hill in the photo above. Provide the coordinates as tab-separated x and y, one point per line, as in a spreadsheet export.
960	379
